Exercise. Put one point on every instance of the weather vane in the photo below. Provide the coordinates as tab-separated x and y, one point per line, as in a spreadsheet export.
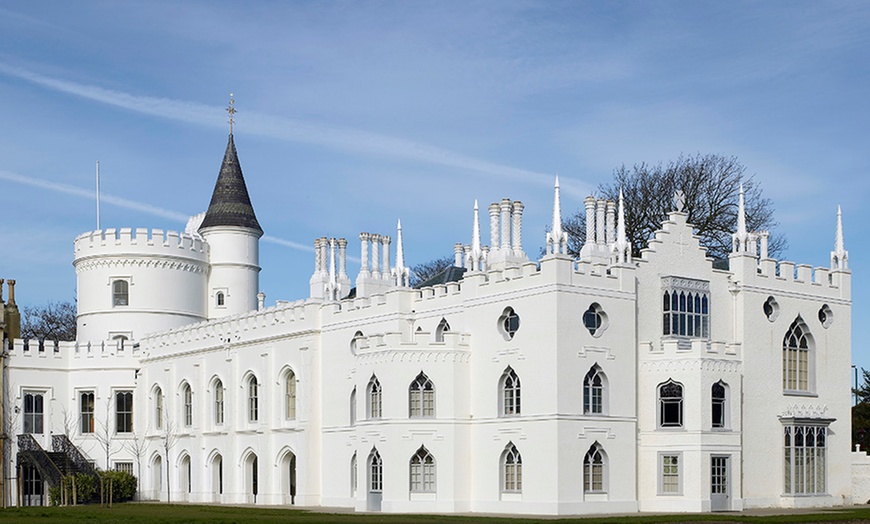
231	111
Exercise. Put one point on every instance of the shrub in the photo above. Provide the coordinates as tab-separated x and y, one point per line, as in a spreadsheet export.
123	485
84	489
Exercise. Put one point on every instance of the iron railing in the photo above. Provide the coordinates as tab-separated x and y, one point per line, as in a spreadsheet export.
29	450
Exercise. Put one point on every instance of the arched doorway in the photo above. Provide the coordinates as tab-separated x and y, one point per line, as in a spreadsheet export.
184	483
217	477
157	477
375	481
251	478
288	477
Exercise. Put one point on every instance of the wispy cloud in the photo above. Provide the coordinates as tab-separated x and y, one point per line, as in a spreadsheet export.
292	130
127	204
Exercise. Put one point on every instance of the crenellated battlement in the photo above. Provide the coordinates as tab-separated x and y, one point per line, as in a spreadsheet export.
232	328
802	278
140	241
49	349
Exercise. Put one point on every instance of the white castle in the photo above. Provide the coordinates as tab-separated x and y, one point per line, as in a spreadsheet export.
507	385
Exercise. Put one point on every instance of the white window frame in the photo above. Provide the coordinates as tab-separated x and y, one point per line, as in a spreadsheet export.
33	420
252	385
662	456
218	402
120	299
805	466
128	415
595	396
87	419
798	362
510	393
290	383
421	397
374	399
187	405
682	320
511	466
591	468
422	472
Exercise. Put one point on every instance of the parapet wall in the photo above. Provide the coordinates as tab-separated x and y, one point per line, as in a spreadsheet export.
140	241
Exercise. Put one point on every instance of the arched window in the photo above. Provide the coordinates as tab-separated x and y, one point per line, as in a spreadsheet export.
671	405
353	477
718	394
158	407
593	470
353	407
290	395
423	471
376	472
509	323
374	398
421	397
220	299
187	398
796	357
511	469
120	293
439	331
593	391
509	386
356	341
253	399
218	402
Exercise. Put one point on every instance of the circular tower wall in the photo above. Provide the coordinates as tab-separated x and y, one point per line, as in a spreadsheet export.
134	282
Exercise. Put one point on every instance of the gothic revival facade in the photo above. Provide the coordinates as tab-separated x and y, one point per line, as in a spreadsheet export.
611	383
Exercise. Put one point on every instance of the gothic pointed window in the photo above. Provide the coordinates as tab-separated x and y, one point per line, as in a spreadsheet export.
290	395
33	412
593	391
593	470
670	405
375	400
187	398
124	412
422	474
376	472
719	413
509	386
421	397
253	399
512	469
158	408
218	402
796	346
442	328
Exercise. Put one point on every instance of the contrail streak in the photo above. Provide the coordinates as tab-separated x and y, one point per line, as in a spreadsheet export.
292	130
127	204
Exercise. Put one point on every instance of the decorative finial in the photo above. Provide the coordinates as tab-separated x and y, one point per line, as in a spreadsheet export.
679	200
839	256
231	111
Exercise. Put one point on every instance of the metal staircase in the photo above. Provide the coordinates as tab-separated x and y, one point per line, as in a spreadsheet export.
64	459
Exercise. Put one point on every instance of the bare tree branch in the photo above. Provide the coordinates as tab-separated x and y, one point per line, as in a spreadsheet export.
711	184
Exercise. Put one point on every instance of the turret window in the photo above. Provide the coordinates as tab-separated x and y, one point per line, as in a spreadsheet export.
120	293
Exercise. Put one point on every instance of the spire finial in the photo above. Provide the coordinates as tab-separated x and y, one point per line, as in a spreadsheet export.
400	272
557	240
839	256
741	217
475	233
231	111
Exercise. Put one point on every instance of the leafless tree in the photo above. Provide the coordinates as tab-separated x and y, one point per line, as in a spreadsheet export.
170	438
54	321
138	447
103	433
711	185
423	272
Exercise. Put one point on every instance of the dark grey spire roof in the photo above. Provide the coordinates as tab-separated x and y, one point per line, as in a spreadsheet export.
230	204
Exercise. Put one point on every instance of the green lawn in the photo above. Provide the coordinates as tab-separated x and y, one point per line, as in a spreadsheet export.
160	513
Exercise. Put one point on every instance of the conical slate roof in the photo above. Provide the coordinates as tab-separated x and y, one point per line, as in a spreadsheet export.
230	204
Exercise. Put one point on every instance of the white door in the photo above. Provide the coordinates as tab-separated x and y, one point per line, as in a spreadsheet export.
720	486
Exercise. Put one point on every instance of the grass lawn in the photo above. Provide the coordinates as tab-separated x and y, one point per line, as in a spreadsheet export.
160	513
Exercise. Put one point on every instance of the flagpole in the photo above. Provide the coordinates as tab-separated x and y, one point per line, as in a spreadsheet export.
98	195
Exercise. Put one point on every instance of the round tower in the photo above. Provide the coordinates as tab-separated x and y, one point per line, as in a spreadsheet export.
134	282
233	233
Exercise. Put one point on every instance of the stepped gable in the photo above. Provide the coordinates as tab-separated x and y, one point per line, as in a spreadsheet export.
230	204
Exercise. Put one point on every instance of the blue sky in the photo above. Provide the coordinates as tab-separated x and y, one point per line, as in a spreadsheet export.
353	115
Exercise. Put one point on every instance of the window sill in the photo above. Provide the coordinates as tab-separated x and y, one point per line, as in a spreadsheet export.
512	496
798	393
423	495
